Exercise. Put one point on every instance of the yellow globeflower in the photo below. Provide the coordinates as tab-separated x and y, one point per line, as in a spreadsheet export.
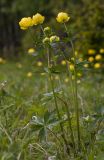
38	19
31	51
39	63
29	74
25	23
91	51
62	17
91	59
63	62
97	65
98	57
101	50
71	66
79	74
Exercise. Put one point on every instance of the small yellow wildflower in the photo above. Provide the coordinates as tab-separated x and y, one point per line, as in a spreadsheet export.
91	59
54	39
46	40
86	65
71	66
38	19
97	65
63	62
39	63
66	80
91	51
101	50
31	51
25	23
98	57
62	17
29	74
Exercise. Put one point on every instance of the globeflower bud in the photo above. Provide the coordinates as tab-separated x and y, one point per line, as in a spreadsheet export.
46	40
54	39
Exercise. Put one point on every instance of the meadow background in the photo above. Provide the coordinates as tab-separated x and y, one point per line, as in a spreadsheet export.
23	83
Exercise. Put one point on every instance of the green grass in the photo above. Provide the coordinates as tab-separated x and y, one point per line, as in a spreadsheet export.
22	98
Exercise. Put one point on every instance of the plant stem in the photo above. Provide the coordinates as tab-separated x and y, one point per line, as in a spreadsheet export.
76	90
56	106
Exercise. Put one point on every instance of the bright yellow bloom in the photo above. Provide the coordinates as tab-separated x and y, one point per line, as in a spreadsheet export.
46	40
39	63
31	51
29	74
91	59
101	50
97	65
86	65
38	19
62	17
54	39
98	57
63	62
25	23
91	51
71	66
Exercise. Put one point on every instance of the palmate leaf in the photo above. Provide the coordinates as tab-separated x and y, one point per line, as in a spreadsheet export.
44	124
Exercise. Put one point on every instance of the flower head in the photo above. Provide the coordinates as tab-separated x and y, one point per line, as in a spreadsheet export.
29	74
54	39
38	19
39	63
62	17
97	65
91	59
71	66
25	23
101	50
91	51
98	57
31	51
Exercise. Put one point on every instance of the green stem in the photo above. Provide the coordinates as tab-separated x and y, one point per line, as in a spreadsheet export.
56	106
76	90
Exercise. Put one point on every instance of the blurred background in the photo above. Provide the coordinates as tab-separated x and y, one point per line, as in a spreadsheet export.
86	24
